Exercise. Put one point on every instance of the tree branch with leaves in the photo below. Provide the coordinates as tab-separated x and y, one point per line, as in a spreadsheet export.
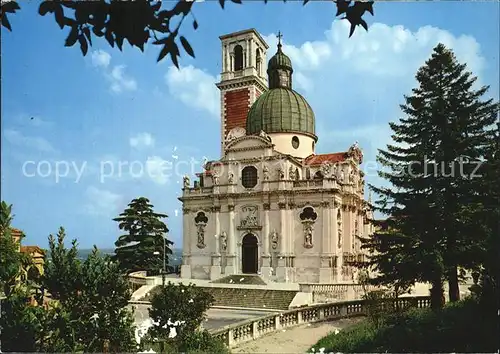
142	22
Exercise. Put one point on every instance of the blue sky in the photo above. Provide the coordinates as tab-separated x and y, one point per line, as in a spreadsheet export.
114	107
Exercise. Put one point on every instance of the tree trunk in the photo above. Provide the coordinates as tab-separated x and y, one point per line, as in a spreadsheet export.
437	298
454	291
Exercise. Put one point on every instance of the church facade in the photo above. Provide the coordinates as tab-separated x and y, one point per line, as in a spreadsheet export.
270	205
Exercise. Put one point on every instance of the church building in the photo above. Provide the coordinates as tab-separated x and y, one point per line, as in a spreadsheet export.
270	205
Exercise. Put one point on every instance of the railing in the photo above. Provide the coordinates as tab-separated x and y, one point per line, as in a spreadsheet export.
137	279
238	333
326	293
312	183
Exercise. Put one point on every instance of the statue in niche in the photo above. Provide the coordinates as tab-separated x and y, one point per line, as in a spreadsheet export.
274	239
334	171
326	169
215	178
352	177
230	178
308	234
265	172
291	173
223	241
281	173
201	235
186	181
342	175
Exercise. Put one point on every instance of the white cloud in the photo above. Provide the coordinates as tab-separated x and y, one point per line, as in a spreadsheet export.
120	81
382	52
14	137
142	140
158	169
194	87
102	202
100	58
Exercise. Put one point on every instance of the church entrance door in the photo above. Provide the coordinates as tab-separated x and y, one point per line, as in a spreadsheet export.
249	254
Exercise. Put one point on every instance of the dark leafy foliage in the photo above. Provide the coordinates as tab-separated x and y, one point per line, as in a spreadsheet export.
93	296
62	273
139	22
421	331
10	259
180	302
187	304
142	247
436	194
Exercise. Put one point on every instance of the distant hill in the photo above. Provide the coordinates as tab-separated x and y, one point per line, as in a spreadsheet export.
174	259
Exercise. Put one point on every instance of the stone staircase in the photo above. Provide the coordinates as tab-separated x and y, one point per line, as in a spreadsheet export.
252	298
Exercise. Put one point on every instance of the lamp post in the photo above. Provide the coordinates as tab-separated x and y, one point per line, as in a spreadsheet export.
164	261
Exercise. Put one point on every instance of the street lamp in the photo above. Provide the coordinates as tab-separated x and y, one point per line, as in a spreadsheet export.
164	261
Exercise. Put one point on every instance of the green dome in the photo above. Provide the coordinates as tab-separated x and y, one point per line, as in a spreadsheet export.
281	110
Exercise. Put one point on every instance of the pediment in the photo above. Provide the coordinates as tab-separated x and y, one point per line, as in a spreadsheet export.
248	141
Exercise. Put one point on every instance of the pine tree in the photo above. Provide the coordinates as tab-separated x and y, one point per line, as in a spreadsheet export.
445	132
142	247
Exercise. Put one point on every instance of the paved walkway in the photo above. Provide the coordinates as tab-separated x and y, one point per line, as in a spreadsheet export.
216	318
294	340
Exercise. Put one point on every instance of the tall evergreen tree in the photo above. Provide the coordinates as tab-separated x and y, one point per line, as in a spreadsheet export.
444	135
144	244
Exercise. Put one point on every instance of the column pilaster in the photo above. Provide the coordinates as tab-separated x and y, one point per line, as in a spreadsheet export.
186	245
231	261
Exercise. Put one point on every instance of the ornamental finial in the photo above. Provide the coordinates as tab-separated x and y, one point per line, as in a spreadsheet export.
279	36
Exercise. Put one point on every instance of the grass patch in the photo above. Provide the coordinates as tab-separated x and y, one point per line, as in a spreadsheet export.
459	327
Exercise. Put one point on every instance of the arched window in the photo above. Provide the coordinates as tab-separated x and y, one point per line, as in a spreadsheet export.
249	177
318	175
259	61
238	58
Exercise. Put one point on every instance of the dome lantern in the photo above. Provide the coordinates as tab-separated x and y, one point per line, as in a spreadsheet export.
279	69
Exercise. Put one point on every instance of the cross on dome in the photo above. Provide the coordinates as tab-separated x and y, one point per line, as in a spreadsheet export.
279	36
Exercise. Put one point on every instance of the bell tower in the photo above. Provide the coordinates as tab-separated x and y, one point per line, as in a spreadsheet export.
243	78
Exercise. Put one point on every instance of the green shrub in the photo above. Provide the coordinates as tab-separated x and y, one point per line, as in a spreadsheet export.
201	342
186	304
172	303
458	327
189	342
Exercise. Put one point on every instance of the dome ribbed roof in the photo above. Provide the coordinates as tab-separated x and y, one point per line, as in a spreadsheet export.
279	61
280	110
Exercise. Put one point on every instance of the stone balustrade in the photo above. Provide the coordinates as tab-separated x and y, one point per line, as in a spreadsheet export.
241	332
326	293
137	279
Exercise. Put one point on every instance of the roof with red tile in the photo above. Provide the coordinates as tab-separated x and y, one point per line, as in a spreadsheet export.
15	232
314	160
32	249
